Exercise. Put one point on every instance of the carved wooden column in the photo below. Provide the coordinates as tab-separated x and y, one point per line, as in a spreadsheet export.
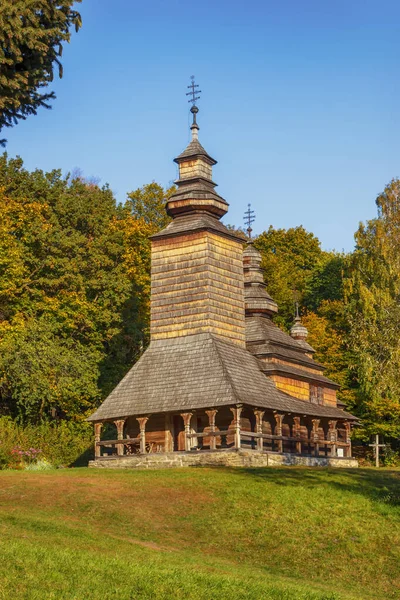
168	440
347	427
211	419
315	423
142	424
236	411
119	424
278	430
259	414
97	433
297	433
332	436
186	421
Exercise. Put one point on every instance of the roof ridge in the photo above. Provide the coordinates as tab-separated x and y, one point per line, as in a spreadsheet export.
224	369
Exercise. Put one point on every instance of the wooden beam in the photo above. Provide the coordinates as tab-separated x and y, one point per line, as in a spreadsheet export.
168	440
332	436
236	411
186	421
347	427
119	423
97	433
315	435
278	430
297	433
211	419
259	414
142	424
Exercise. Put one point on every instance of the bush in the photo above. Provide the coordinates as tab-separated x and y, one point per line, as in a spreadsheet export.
391	458
4	458
60	444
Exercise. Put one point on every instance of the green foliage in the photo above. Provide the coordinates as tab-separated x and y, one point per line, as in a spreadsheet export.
42	369
4	456
325	282
60	443
148	203
391	458
373	294
291	258
74	291
328	334
31	42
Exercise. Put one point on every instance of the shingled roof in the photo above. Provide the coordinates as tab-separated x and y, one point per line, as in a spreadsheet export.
194	222
199	371
264	338
194	149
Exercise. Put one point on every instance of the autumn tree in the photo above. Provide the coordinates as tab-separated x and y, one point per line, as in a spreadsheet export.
373	295
290	258
74	289
32	35
148	203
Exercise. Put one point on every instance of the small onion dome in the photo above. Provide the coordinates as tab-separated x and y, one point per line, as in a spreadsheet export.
257	299
298	331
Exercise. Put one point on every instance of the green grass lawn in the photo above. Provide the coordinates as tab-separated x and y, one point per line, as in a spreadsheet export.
200	534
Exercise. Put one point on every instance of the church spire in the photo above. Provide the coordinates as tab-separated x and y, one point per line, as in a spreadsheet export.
257	299
195	191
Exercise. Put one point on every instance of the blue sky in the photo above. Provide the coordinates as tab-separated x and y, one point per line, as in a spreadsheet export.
300	104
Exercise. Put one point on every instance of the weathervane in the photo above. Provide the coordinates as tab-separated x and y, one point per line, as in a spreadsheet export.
249	218
194	97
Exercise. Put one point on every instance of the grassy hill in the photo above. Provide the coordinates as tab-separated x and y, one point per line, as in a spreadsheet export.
200	534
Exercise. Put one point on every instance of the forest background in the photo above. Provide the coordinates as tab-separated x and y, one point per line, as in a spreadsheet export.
75	276
75	291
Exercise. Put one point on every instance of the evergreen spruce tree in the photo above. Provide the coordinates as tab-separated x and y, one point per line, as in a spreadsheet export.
31	42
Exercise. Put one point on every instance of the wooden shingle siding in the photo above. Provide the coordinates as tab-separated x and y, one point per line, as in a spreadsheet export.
280	361
197	287
298	389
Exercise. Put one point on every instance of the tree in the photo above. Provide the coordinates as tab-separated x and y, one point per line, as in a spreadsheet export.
325	282
373	295
31	42
328	335
74	289
290	258
148	203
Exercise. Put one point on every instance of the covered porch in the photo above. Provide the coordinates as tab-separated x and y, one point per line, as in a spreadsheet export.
228	428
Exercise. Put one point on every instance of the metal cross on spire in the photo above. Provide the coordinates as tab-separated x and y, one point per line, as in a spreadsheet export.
193	91
249	218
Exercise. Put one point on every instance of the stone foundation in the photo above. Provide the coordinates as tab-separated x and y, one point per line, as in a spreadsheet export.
232	458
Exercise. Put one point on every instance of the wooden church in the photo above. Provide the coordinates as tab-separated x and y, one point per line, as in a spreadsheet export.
220	383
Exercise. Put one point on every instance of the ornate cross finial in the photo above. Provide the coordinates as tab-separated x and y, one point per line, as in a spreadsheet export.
297	316
249	218
193	109
193	91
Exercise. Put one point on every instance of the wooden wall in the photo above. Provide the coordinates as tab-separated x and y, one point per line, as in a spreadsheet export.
293	387
197	286
298	388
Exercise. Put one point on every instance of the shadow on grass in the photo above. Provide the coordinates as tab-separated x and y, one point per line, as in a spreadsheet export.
382	486
84	458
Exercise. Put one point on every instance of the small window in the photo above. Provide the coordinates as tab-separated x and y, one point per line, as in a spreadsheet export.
320	394
316	394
